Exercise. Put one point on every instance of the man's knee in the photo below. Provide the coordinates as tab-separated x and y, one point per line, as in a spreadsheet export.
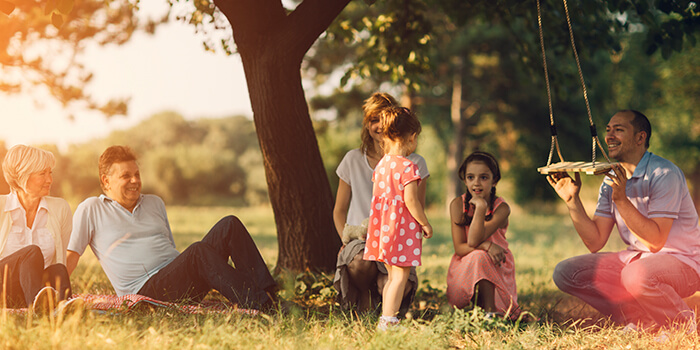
230	220
637	281
562	275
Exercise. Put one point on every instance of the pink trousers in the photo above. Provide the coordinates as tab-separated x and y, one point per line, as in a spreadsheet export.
648	291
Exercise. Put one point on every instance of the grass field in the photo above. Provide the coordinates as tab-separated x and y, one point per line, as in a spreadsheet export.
539	238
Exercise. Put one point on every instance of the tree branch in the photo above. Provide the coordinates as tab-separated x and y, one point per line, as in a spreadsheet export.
311	18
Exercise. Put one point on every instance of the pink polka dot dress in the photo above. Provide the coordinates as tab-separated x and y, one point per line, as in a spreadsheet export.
393	235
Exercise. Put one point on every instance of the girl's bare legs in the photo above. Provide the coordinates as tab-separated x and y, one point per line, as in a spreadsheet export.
486	295
363	274
382	279
394	289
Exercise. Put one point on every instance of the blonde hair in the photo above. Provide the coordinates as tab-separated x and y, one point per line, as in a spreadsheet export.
21	161
372	109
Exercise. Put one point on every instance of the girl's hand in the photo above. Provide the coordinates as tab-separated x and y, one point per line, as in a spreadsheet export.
497	253
478	203
427	231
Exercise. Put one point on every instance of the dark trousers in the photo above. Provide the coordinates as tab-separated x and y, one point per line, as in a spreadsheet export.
23	275
203	266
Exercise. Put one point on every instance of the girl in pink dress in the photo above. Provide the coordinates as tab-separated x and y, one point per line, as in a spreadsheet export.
397	221
482	270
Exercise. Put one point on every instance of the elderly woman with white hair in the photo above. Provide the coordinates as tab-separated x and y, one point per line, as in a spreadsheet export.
34	231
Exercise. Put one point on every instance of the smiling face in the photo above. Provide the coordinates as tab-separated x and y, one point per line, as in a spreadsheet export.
479	179
39	183
375	130
123	183
622	140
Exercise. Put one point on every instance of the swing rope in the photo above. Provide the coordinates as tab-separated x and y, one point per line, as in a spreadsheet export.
594	133
590	168
552	126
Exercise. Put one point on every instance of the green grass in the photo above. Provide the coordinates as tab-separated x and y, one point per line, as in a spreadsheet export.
538	240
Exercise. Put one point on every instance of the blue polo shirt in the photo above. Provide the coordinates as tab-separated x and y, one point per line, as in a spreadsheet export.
657	189
131	247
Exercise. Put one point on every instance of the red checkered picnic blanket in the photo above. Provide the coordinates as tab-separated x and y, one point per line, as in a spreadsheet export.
125	303
110	302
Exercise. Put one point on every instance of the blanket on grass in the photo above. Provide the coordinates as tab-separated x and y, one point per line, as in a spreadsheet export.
110	303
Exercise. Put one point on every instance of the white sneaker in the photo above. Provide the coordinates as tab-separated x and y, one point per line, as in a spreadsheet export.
45	301
630	328
69	307
662	337
387	323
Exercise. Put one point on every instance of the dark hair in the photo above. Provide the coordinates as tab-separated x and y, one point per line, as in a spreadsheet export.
640	122
492	164
372	109
113	154
399	123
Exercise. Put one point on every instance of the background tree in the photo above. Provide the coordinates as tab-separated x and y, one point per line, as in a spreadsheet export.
490	51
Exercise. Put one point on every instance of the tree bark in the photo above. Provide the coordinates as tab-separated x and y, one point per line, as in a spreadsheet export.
272	46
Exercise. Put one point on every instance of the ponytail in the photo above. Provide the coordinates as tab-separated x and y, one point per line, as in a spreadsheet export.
398	124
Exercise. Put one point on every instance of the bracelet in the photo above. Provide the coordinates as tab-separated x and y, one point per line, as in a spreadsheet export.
489	248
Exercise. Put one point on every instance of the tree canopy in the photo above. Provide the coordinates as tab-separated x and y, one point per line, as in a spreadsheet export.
41	44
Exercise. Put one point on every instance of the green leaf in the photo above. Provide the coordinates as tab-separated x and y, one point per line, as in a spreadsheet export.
6	7
57	20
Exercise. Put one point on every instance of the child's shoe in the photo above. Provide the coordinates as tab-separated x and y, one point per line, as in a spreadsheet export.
387	323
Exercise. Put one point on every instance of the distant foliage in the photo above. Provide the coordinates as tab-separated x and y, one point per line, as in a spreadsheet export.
201	162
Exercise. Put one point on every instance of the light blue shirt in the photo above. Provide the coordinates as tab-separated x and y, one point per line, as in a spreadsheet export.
658	190
131	247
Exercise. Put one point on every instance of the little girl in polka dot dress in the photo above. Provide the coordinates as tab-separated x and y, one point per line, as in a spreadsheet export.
397	220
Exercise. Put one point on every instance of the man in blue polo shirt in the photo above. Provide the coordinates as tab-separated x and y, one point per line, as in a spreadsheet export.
647	198
130	235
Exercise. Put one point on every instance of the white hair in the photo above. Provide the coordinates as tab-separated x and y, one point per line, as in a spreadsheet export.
22	161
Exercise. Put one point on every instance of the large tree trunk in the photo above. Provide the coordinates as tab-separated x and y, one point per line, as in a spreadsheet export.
272	45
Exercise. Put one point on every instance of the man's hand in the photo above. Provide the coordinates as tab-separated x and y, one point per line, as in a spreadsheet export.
618	182
566	187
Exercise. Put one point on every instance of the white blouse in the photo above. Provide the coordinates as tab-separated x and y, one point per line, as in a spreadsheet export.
21	236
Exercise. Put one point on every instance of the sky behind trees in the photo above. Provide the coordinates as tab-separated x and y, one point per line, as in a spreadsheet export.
167	71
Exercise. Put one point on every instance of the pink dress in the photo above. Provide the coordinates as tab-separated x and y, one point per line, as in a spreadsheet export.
393	235
465	271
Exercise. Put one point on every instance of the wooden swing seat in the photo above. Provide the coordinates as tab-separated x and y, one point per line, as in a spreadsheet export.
589	168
